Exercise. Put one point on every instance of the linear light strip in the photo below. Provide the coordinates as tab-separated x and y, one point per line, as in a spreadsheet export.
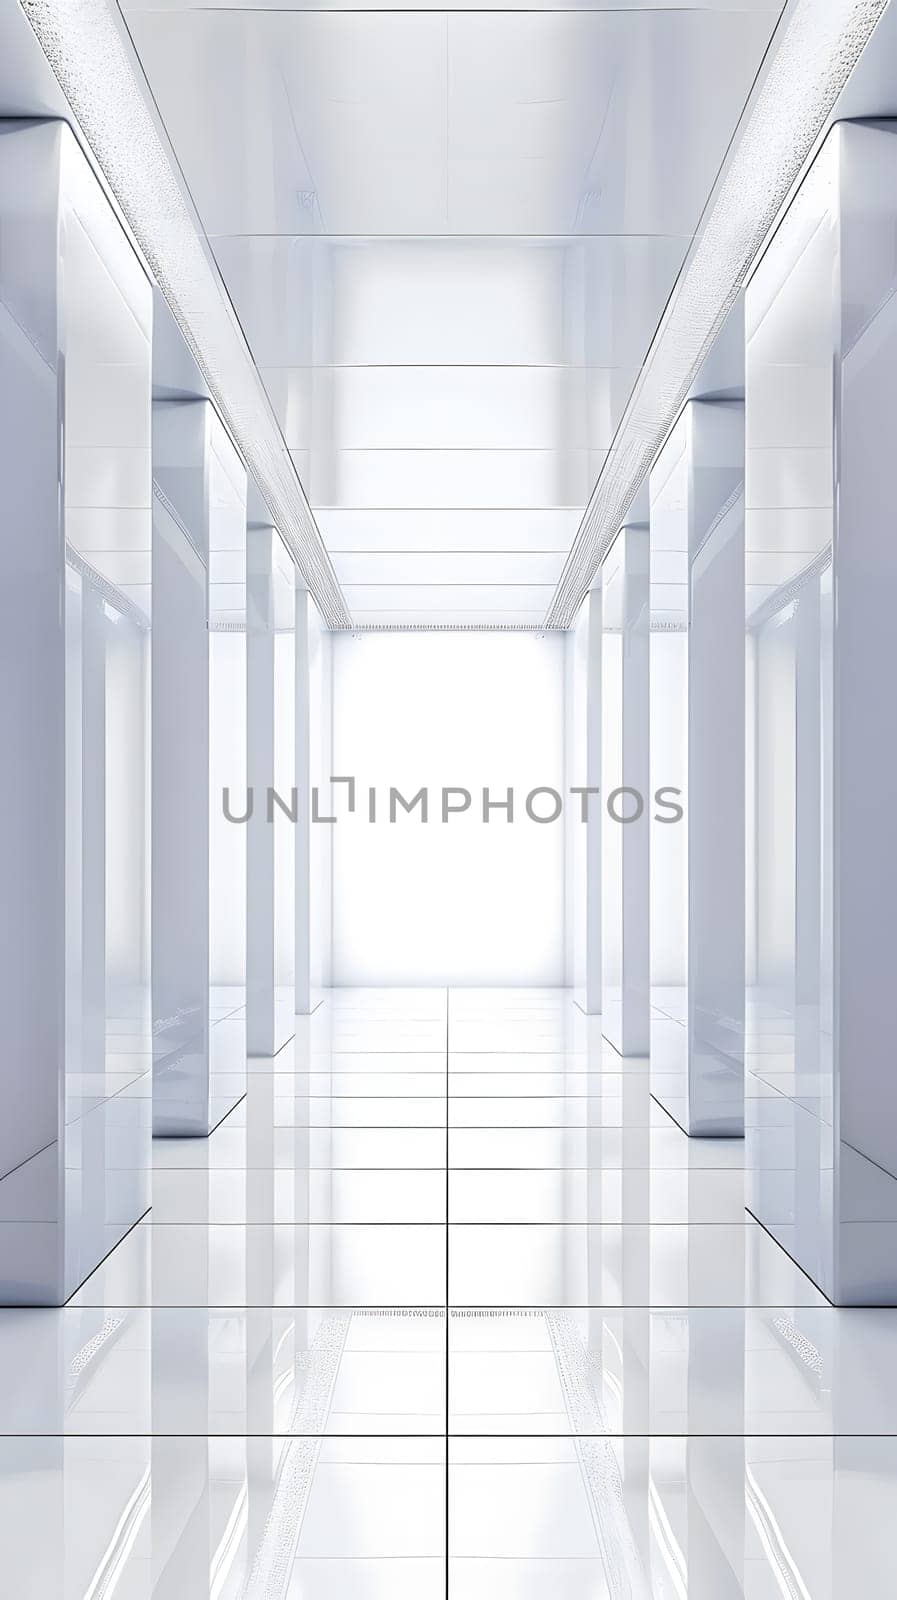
819	47
95	69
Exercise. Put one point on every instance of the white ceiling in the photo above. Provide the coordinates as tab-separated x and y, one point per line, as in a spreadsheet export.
449	238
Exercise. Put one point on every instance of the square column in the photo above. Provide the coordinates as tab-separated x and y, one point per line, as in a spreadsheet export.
821	569
199	513
276	803
697	747
584	812
75	381
624	791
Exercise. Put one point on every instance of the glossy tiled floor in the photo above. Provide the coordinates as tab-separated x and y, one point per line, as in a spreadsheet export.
448	1305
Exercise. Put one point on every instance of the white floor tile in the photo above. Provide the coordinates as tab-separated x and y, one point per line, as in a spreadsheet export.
723	1264
640	1383
333	1081
599	1518
213	1371
298	1057
491	1080
554	1111
364	1519
593	1148
614	1195
368	1578
279	1265
699	1371
302	1149
374	1500
286	1110
593	1056
282	1195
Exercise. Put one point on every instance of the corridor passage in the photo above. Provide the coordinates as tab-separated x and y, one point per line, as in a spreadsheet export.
448	1305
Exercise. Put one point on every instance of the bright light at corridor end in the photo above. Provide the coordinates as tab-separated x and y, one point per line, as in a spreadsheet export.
84	46
815	50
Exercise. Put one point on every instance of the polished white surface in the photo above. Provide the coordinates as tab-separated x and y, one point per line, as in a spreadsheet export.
697	719
199	511
621	1372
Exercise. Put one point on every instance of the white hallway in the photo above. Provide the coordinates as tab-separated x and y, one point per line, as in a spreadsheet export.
473	1175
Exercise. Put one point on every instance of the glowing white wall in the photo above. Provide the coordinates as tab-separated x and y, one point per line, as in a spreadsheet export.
463	902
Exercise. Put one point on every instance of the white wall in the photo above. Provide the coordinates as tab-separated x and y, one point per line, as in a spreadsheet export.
462	902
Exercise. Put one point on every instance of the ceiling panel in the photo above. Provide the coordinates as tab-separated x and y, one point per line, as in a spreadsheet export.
476	531
449	237
468	566
571	301
420	123
447	596
418	617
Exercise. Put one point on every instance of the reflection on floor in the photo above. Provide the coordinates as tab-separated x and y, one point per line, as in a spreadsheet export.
447	1287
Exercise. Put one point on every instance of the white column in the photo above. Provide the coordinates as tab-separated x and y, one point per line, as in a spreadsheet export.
821	410
624	791
227	772
180	767
194	467
697	714
716	773
75	384
271	769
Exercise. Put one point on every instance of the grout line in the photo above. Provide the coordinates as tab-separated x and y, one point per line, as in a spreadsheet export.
519	1434
479	1222
485	1308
